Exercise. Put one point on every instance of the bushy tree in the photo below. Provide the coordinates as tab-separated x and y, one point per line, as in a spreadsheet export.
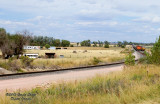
130	60
65	43
12	44
77	44
155	52
122	44
3	36
106	44
47	46
20	39
95	44
119	44
86	43
57	42
100	43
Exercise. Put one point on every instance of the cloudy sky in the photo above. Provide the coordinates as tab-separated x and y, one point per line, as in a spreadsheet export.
76	20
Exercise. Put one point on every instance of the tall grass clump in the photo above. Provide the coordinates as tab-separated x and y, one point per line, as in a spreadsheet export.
130	59
96	61
26	61
134	85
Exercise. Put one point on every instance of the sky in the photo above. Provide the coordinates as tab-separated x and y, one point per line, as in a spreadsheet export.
77	20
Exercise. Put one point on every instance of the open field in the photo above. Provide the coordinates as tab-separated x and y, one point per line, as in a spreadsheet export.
73	57
80	58
80	52
138	84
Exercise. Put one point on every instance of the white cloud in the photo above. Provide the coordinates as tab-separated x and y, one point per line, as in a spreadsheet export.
3	22
154	19
79	17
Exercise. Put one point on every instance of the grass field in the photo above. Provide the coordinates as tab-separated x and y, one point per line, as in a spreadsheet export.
73	57
80	58
138	84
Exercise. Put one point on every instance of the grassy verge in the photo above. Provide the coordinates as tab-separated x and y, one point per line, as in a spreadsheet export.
136	84
73	62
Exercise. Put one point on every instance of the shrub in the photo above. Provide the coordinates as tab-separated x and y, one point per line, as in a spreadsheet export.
123	46
155	52
26	60
47	46
96	61
71	45
130	60
106	46
14	65
154	57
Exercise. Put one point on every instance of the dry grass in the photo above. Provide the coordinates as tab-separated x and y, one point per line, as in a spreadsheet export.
80	52
84	56
135	85
80	58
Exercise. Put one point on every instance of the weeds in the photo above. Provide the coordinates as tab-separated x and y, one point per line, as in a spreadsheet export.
133	85
130	60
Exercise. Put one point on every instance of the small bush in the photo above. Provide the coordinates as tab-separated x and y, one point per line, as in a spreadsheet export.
26	61
14	65
130	60
146	60
47	46
123	46
106	46
71	45
96	61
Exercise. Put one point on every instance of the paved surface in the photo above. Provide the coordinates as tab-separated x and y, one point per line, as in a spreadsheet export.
29	82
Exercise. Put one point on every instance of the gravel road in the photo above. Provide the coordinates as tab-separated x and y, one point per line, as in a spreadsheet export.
30	82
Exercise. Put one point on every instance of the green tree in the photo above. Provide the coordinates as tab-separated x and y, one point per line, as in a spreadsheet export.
119	44
130	60
71	45
20	40
86	43
155	52
95	44
65	43
77	44
12	44
47	46
100	43
3	36
57	42
6	45
106	44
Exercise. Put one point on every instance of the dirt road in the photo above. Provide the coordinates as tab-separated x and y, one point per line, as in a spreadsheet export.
29	82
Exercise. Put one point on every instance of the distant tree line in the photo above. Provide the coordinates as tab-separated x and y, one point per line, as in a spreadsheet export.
124	43
98	43
12	44
43	40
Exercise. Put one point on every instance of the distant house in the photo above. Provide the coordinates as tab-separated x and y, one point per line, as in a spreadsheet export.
52	48
32	47
31	55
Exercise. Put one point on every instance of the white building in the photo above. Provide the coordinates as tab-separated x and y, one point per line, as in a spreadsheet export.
31	47
31	55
